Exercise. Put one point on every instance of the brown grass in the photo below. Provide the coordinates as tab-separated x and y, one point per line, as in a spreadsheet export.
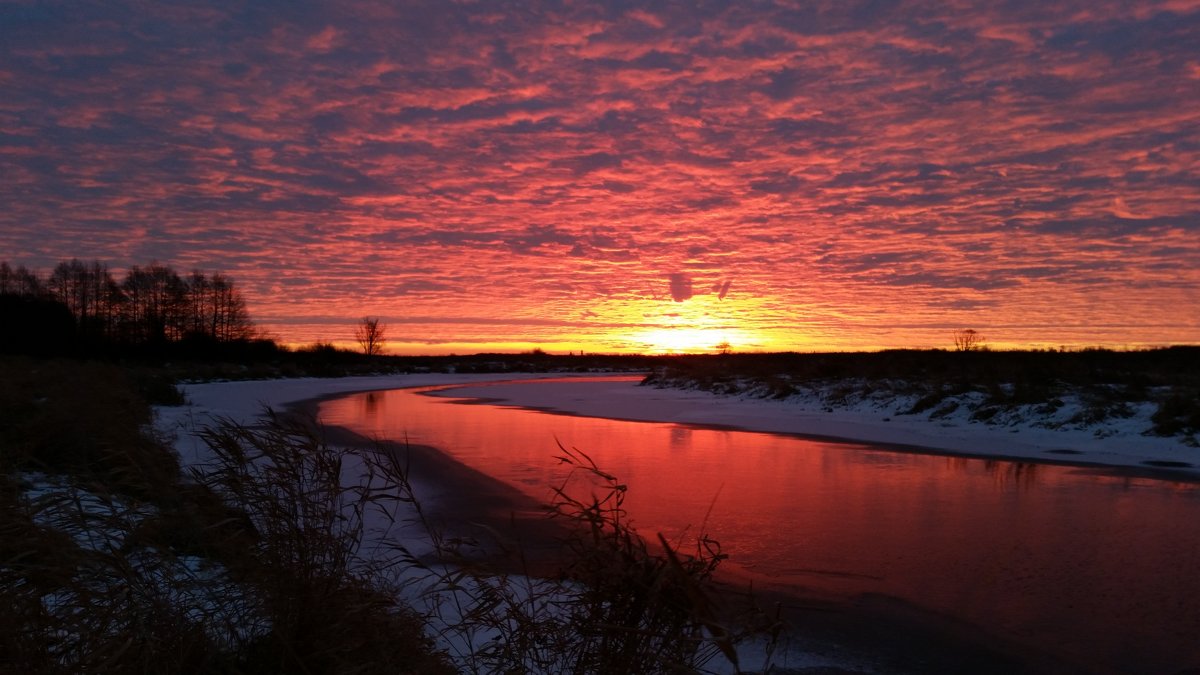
618	605
278	557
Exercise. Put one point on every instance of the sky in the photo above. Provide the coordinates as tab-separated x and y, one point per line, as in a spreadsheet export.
623	176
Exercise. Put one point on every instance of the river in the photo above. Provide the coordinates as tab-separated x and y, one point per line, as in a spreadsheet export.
1097	568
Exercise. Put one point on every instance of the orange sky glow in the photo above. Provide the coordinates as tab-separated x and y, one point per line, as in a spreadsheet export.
617	177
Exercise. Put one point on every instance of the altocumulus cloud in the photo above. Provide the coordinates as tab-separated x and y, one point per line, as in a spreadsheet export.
866	164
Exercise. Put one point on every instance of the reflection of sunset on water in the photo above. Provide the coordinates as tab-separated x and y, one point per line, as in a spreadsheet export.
587	176
1101	566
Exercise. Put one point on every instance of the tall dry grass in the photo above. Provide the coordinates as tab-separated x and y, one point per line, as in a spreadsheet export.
619	604
281	556
110	562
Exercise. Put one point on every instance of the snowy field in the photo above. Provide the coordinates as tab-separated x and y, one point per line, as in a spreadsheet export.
245	401
1117	442
1113	442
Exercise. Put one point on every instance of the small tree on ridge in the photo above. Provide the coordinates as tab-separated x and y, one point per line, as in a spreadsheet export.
370	335
967	340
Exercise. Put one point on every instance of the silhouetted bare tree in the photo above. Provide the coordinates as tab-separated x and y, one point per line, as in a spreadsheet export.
19	281
230	320
90	292
155	307
967	340
215	309
152	304
370	335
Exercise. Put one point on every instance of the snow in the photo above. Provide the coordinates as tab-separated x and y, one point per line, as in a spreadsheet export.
244	401
1020	434
1057	435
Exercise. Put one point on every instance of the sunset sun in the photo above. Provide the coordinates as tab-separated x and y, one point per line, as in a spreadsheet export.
681	340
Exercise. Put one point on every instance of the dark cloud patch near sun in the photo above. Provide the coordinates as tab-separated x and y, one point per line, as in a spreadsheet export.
681	287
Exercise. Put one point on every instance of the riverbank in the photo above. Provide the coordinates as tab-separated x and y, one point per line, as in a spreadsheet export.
1121	445
458	500
1118	443
837	634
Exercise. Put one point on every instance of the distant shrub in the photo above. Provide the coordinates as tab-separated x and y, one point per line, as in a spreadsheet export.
985	413
1100	404
779	387
944	410
1031	388
322	348
1177	413
926	402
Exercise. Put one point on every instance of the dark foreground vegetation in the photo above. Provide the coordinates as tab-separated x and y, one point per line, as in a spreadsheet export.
277	556
114	561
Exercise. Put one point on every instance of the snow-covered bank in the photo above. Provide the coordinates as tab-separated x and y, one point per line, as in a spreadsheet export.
244	401
1115	441
621	397
1049	436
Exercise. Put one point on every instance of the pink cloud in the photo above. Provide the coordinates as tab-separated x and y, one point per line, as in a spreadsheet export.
934	169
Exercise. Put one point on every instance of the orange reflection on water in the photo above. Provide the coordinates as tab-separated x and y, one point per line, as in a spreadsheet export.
1097	567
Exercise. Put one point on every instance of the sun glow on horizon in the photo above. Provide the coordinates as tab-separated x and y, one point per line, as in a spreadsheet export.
663	179
684	339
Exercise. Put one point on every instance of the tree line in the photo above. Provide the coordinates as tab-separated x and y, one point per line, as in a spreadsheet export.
151	305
